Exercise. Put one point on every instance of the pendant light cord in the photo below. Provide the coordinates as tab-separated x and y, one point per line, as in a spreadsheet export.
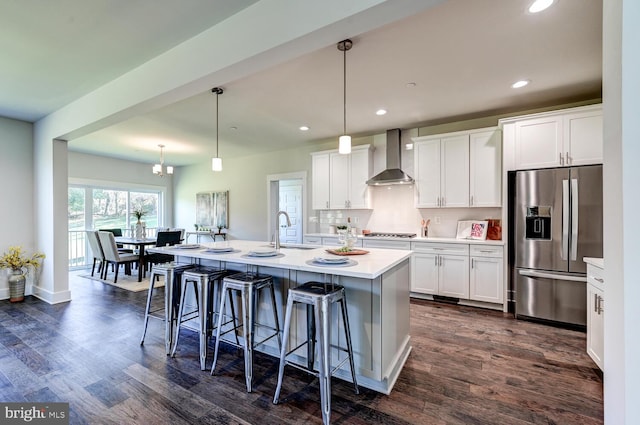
218	91
217	123
344	91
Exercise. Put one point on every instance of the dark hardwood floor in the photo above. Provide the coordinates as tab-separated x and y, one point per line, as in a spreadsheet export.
468	366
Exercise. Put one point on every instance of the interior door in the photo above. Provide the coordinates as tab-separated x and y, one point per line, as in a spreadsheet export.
290	199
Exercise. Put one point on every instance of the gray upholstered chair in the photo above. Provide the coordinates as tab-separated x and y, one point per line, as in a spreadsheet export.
96	250
111	254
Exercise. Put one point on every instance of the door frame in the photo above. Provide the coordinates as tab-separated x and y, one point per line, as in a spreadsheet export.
273	204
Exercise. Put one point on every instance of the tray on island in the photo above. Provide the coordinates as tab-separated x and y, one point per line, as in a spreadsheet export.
351	252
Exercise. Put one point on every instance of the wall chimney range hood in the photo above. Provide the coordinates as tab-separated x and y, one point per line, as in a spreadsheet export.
392	174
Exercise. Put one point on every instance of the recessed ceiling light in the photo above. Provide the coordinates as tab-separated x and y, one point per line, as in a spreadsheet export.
411	85
381	111
539	5
304	128
233	128
519	84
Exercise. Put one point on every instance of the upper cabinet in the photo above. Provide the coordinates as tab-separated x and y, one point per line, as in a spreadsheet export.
485	169
555	139
340	181
458	169
442	171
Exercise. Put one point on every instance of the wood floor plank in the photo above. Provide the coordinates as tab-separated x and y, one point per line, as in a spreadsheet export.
467	366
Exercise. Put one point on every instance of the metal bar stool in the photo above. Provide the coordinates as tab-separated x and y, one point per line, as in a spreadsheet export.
172	273
202	278
319	298
249	285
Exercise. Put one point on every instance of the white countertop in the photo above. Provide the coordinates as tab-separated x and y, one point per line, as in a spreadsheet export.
416	239
598	262
369	266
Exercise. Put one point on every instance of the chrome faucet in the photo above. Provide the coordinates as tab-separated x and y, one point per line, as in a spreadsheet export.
277	234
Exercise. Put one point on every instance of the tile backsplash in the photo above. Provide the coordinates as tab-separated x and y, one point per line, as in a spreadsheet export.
393	211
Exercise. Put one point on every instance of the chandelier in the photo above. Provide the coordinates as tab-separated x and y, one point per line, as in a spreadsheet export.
159	169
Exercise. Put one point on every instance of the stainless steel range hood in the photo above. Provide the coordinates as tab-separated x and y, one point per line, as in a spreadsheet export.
392	174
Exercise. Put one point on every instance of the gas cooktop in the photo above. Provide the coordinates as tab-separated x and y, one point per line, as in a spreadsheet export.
392	235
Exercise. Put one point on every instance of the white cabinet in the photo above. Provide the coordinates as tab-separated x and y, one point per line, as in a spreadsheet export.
485	169
440	269
319	181
584	136
486	274
595	314
442	171
340	181
556	139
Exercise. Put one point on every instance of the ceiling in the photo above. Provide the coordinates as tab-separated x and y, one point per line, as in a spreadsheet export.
461	56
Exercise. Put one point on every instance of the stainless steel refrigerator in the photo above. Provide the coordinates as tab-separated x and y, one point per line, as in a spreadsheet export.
557	217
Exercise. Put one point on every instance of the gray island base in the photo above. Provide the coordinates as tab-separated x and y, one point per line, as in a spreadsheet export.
377	291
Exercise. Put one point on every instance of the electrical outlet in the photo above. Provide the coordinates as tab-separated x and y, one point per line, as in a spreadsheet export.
437	220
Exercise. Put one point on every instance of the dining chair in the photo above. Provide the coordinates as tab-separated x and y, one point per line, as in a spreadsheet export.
117	232
163	238
111	254
96	250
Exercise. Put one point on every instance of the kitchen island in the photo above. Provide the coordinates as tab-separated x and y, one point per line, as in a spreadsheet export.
377	291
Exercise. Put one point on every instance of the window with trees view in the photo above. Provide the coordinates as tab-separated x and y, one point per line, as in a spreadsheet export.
101	208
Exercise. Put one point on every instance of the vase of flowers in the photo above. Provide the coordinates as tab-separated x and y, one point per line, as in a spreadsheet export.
16	260
140	229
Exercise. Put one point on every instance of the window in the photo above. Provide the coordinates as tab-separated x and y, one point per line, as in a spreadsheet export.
96	208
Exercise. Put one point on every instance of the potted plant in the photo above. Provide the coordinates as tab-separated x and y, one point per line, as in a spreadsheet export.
16	260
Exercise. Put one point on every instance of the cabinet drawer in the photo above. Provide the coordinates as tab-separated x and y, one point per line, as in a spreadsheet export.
369	243
486	251
312	240
441	248
595	276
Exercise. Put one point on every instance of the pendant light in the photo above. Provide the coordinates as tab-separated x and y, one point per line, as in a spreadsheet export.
344	144
158	169
216	162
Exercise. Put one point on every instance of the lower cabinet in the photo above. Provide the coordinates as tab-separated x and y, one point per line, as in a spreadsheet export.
595	315
486	282
440	269
464	271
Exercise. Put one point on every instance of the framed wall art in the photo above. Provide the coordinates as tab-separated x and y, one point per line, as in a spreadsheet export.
212	209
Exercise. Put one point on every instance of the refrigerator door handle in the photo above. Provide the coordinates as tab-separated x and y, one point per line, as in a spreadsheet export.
545	275
574	219
565	219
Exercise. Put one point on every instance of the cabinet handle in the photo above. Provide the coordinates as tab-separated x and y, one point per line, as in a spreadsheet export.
567	158
600	302
438	201
598	279
440	259
561	159
472	263
595	302
436	258
444	201
471	200
327	204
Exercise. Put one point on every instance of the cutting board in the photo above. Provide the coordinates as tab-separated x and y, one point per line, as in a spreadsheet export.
352	252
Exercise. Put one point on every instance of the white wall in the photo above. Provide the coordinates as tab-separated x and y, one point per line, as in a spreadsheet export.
16	191
621	101
246	180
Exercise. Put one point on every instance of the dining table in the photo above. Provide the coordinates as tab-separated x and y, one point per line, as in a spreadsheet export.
140	245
